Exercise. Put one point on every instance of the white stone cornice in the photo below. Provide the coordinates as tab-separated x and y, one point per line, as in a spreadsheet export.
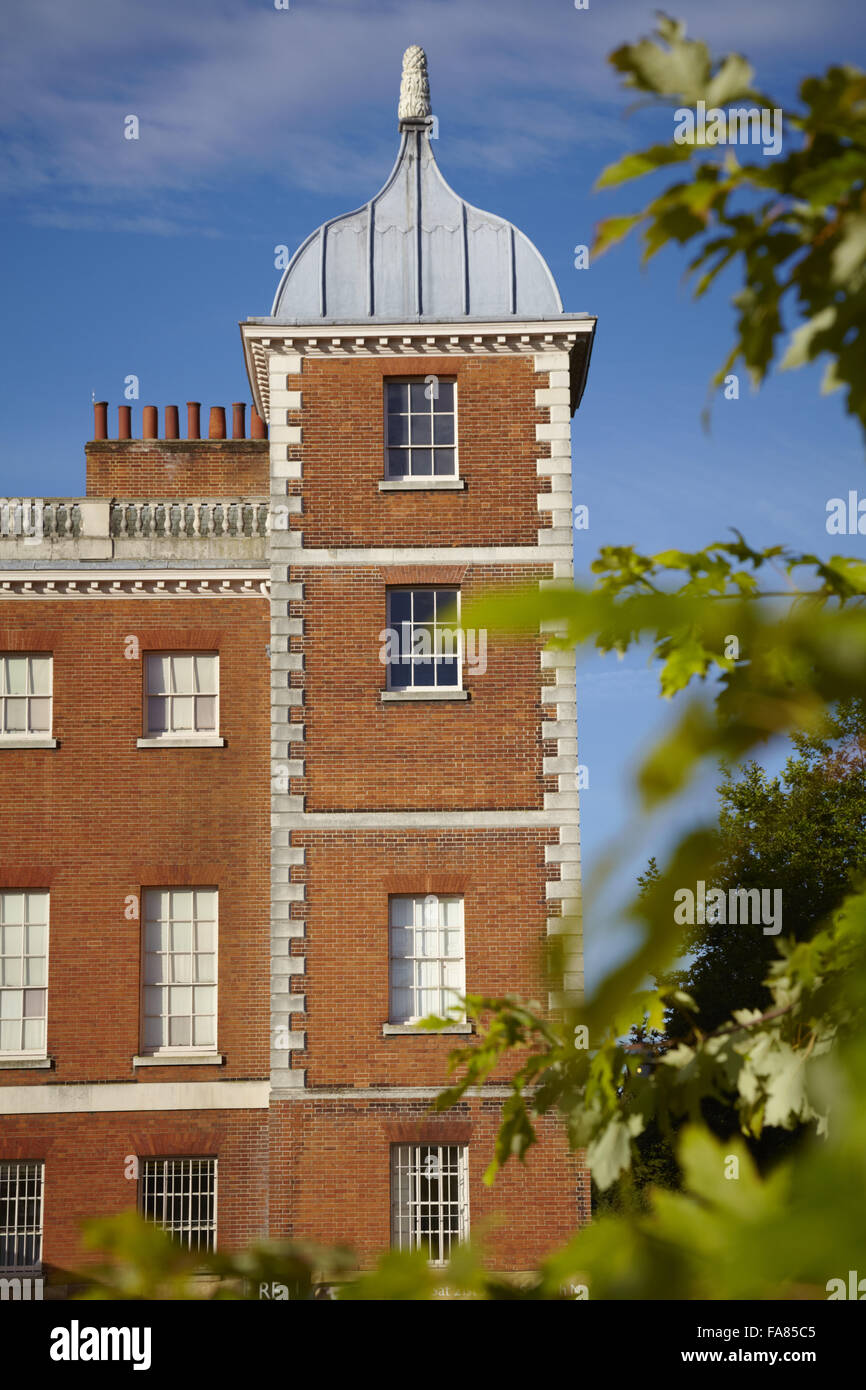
375	339
151	583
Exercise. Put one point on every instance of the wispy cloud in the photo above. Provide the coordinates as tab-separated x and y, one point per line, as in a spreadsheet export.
220	85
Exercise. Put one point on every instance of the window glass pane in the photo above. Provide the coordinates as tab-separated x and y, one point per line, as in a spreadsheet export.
35	938
180	999
11	1003
422	462
34	1003
179	1032
181	904
446	606
181	936
152	1035
16	675
445	400
204	1032
443	463
35	970
13	971
446	673
399	675
205	968
155	970
13	940
205	674
12	905
157	714
16	716
402	911
205	934
398	463
34	1034
397	395
421	429
423	672
181	713
398	429
443	429
182	675
10	1035
399	606
156	903
40	715
158	675
205	712
205	903
423	605
153	1001
418	399
205	999
181	968
40	675
37	907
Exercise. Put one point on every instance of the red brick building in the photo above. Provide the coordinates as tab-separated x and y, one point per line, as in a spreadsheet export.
263	805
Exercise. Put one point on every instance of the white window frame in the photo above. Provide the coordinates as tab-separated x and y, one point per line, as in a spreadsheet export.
172	735
431	477
413	1204
26	735
456	654
27	1054
165	1048
424	906
17	1230
159	1169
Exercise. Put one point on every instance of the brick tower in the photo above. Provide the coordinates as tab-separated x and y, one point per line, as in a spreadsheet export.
236	663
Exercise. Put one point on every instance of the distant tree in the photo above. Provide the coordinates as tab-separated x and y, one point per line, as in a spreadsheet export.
803	832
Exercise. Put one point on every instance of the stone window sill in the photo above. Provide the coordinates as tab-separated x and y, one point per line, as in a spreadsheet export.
29	743
405	1030
26	1063
212	741
178	1059
420	694
422	484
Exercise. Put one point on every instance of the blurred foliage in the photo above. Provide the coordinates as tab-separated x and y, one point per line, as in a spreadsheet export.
795	223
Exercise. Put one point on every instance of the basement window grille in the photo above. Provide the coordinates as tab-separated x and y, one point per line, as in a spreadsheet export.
429	1198
21	1189
180	1196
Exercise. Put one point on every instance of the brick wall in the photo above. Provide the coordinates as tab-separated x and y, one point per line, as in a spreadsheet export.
97	819
344	450
501	876
331	1165
86	1166
365	754
177	468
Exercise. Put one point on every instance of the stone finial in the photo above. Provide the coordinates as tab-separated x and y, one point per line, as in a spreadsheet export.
414	86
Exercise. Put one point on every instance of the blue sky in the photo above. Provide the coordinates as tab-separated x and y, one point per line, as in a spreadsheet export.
256	124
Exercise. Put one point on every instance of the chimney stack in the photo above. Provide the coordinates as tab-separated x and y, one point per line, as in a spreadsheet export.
217	426
238	422
124	422
172	423
100	419
193	420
